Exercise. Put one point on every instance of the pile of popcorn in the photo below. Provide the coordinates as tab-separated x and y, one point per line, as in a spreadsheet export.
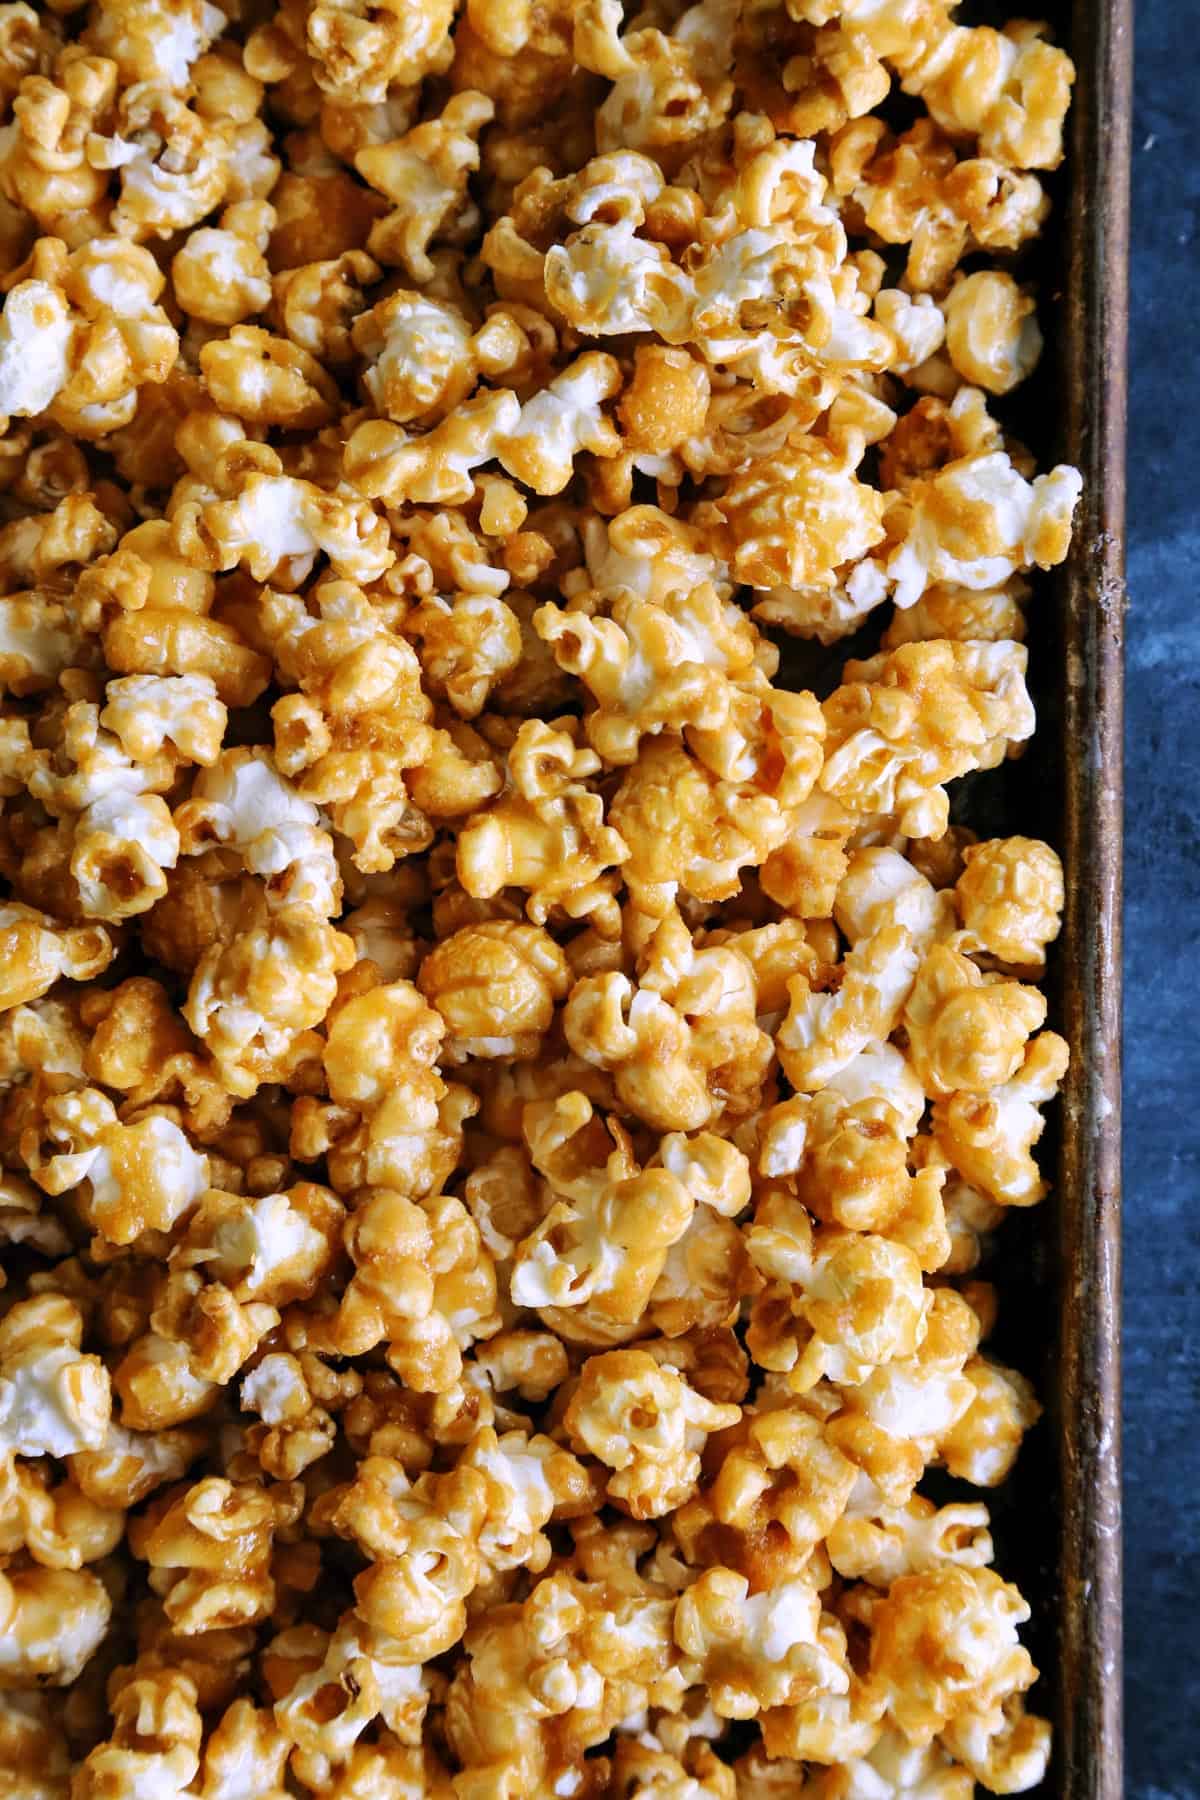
506	1098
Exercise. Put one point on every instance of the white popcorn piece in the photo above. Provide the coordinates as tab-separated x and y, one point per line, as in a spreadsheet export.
36	334
53	1401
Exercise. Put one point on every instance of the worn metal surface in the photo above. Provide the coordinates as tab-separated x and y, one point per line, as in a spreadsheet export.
1086	1411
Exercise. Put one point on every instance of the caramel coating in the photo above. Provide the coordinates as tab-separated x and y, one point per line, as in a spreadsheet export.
506	1096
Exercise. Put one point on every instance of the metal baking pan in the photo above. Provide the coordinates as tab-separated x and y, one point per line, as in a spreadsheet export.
1074	1239
1056	1522
1085	1395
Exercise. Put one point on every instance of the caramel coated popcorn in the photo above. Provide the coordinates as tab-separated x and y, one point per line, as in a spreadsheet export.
509	1075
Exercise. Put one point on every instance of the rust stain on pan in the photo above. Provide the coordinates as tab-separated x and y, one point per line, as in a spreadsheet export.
1092	598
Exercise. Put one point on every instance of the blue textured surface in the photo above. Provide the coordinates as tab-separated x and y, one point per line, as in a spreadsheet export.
1162	923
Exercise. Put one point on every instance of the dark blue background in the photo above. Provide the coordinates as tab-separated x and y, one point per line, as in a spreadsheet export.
1162	920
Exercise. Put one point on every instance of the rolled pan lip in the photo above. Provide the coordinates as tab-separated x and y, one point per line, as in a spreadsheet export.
1092	602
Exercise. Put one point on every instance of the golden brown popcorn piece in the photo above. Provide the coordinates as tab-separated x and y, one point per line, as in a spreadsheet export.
126	1466
421	356
1008	89
141	1176
53	1399
982	1445
969	1609
45	169
406	1122
518	52
82	333
266	380
360	725
549	1678
795	520
916	190
467	646
779	1485
37	952
321	215
245	1738
277	525
254	998
496	985
690	828
360	48
909	1540
424	175
949	707
180	170
652	666
220	274
53	1621
415	1266
752	1651
989	1137
275	1248
209	1546
603	1240
858	1305
966	1032
647	1424
976	522
547	833
1010	899
682	1040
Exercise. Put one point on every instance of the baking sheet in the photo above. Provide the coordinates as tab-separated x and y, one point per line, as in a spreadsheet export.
1085	1220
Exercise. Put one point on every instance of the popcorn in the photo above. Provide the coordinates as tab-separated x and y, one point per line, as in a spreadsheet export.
794	521
179	167
978	1614
360	50
946	707
154	42
779	1488
277	526
156	1737
253	998
1010	90
37	951
422	357
139	1177
991	333
982	1445
989	1137
467	647
495	985
208	1548
604	1239
1010	899
53	1400
267	380
646	1424
220	275
917	190
947	1051
53	1621
82	335
675	1075
424	174
651	666
547	832
982	505
754	1651
583	1068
